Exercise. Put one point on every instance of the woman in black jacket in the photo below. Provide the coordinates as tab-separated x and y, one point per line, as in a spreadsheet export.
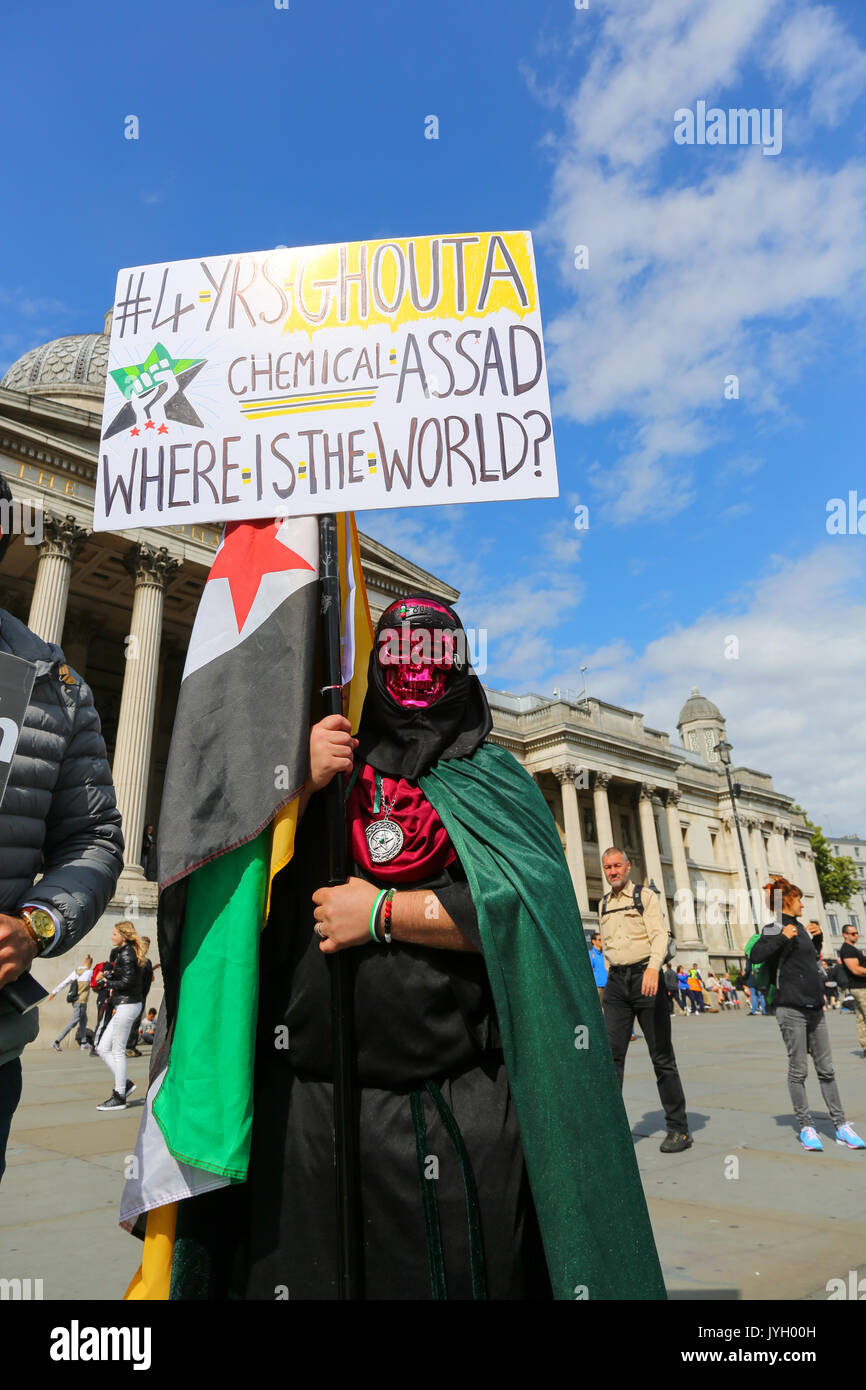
124	974
799	998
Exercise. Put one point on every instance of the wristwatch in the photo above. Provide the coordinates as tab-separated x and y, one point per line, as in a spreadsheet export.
40	925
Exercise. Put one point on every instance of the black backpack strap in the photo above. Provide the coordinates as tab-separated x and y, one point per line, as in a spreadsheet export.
603	904
638	900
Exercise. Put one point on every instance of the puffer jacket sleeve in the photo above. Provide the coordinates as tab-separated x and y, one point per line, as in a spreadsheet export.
83	849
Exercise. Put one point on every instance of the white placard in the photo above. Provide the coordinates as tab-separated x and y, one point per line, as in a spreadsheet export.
326	379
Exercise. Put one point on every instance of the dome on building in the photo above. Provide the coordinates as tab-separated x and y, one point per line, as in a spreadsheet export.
697	706
71	370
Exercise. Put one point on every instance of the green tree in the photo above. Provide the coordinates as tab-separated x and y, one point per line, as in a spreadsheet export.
837	878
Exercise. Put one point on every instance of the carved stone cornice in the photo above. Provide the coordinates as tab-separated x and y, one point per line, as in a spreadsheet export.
601	781
565	772
149	566
63	537
647	791
672	796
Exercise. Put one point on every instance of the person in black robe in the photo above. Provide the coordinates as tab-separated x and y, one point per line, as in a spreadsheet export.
446	1207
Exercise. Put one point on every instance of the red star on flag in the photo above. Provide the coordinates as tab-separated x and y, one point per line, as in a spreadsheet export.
250	551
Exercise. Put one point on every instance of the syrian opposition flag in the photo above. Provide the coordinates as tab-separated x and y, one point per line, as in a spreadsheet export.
236	767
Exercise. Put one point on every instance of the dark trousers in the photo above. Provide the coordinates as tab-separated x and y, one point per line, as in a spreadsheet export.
10	1094
132	1040
623	1002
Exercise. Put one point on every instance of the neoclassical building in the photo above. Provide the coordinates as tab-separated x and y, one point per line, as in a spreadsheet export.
122	605
609	779
838	914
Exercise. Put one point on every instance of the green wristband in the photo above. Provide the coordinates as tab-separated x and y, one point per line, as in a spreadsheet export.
375	913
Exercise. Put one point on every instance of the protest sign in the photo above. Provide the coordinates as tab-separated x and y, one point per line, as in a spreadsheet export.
325	379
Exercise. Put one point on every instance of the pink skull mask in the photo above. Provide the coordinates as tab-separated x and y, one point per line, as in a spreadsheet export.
416	663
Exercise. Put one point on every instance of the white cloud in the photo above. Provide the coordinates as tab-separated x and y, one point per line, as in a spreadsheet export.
794	700
812	45
703	263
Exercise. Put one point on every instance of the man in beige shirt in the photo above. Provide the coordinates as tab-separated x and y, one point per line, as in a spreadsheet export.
635	941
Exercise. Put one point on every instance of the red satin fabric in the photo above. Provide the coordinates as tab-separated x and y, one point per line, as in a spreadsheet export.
426	846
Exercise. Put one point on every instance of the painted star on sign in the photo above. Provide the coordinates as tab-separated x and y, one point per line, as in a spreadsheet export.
160	378
250	551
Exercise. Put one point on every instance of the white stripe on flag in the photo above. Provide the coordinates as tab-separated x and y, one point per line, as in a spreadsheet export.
156	1178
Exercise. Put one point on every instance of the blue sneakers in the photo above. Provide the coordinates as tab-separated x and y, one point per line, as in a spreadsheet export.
809	1139
848	1136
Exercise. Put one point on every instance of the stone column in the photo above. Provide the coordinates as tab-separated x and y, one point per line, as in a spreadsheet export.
62	540
735	859
758	854
565	774
150	570
601	806
793	865
779	847
685	908
649	839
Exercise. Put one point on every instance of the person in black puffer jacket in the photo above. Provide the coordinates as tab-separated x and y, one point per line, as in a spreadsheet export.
799	999
125	974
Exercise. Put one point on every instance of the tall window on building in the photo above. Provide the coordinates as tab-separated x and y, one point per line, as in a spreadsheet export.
713	841
709	746
854	920
589	825
834	924
729	936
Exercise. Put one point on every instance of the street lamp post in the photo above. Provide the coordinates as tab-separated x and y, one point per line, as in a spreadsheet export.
724	751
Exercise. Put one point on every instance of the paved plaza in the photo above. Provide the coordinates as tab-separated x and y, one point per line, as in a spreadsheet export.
745	1213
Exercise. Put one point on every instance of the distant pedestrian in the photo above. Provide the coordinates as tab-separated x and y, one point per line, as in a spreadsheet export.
148	1028
757	1000
671	986
696	990
799	998
148	853
102	989
683	983
124	975
854	962
146	982
635	942
599	966
80	978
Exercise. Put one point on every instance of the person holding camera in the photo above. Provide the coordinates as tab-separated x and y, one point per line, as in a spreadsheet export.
799	998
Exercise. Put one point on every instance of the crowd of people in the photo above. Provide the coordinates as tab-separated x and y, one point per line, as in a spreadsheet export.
120	986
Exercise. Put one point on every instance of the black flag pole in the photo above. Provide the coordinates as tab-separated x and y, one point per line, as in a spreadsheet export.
342	1031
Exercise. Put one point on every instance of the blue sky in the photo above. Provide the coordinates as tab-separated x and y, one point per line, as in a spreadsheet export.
261	126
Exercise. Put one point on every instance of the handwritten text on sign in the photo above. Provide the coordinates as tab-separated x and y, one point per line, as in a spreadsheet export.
327	378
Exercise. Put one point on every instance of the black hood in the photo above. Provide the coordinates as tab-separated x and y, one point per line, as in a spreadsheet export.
407	742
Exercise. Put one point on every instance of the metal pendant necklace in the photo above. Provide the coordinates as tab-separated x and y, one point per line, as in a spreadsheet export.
384	837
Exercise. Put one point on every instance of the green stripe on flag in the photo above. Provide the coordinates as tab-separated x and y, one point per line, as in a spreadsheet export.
205	1104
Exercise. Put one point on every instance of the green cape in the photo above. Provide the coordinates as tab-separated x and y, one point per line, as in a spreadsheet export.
576	1139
